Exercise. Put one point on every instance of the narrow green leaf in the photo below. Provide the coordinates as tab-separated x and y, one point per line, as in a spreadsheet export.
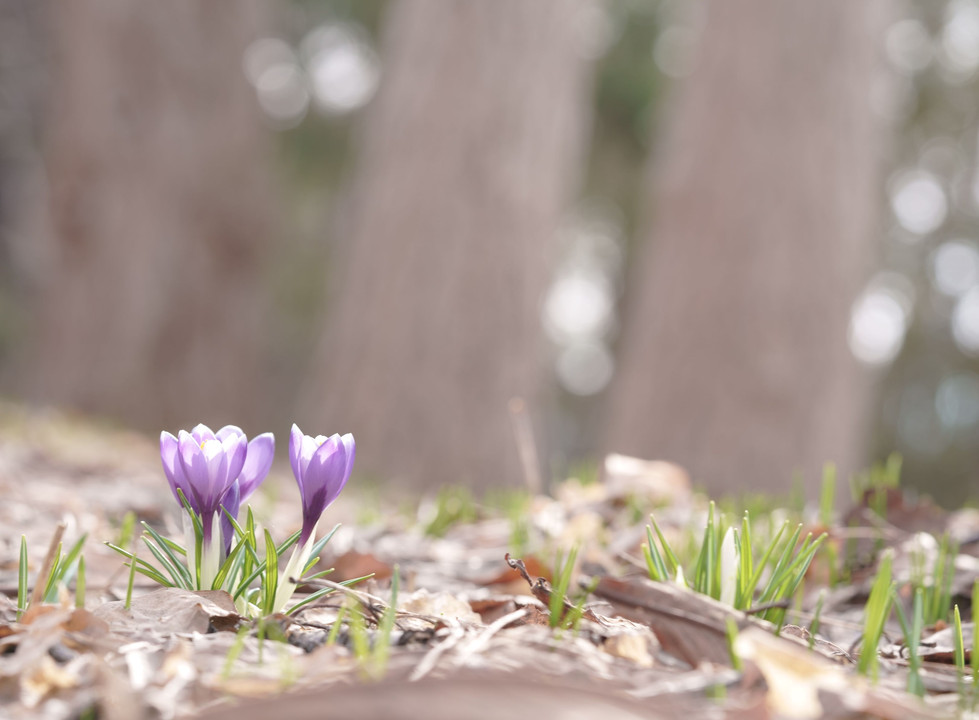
827	495
22	578
382	646
178	573
746	556
731	634
974	652
311	598
669	555
132	578
654	560
80	584
52	574
271	578
166	549
959	641
227	567
875	616
321	543
289	542
763	562
560	590
331	638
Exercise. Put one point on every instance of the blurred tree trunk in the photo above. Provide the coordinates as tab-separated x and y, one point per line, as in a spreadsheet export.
471	153
734	357
159	207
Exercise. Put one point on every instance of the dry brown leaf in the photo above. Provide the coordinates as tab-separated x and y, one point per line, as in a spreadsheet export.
171	610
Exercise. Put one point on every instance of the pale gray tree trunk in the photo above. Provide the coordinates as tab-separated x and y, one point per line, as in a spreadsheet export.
471	153
734	357
158	203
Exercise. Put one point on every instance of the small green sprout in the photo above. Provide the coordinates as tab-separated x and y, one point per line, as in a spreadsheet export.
912	639
934	576
22	570
959	644
827	495
55	574
559	592
250	573
382	645
731	634
974	652
876	612
453	506
816	615
729	569
331	638
80	584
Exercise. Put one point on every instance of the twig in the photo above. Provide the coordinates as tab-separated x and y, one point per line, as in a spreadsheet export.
431	658
541	589
757	609
482	640
358	595
526	447
38	592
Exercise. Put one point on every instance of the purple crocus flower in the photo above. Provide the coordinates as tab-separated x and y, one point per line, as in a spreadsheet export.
215	470
322	467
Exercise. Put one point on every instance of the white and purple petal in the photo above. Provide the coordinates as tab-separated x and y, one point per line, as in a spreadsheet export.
202	432
295	451
172	468
258	462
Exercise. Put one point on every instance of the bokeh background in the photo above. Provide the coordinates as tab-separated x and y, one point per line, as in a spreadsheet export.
497	240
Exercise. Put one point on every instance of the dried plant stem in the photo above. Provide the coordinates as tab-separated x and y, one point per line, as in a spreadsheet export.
526	447
37	593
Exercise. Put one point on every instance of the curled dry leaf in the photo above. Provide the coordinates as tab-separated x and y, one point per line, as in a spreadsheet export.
171	610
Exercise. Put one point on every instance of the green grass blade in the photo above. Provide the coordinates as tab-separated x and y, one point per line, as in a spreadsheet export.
194	517
777	577
174	564
321	543
747	571
875	616
974	652
142	564
382	647
22	581
668	554
132	579
178	573
270	581
331	638
67	565
227	567
49	586
763	562
246	583
80	584
827	495
311	598
289	542
654	560
560	590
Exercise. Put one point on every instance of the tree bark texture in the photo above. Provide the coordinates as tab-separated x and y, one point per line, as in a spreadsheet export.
157	164
471	153
734	357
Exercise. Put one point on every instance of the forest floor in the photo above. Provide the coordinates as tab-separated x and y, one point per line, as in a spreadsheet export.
473	634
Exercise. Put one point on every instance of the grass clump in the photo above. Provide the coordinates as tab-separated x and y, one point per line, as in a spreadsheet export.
876	613
732	568
55	575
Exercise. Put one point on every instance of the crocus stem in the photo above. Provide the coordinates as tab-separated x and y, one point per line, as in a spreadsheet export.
211	554
190	543
292	572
